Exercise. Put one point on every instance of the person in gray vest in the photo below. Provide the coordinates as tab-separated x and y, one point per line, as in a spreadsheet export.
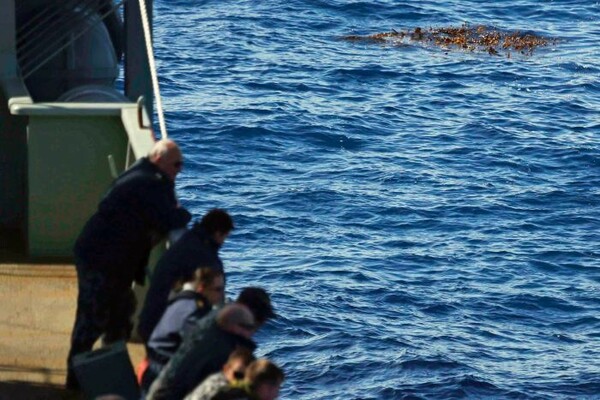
113	248
204	351
209	341
198	297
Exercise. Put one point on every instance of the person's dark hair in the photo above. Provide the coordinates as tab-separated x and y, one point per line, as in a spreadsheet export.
263	371
259	302
217	220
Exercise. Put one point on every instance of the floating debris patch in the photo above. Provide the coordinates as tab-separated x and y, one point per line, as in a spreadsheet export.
476	38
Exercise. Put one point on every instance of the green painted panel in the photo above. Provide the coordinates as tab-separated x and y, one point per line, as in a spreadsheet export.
13	167
68	172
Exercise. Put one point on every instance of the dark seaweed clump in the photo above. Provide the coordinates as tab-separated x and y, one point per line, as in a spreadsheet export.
465	37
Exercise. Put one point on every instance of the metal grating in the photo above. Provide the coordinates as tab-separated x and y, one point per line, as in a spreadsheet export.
50	28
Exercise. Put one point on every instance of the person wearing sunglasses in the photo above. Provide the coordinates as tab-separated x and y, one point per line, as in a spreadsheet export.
137	212
233	372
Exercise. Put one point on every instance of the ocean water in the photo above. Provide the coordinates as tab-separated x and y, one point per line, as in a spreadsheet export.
427	220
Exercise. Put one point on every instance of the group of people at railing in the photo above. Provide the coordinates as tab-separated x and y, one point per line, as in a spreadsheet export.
198	347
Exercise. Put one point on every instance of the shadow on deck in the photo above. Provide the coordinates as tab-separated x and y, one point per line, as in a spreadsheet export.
36	318
21	390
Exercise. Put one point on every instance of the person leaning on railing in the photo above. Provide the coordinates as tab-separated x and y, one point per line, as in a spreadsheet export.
198	246
113	248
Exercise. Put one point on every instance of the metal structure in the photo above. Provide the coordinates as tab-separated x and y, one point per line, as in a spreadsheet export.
65	129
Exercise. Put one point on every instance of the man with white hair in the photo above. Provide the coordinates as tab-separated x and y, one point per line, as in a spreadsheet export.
113	248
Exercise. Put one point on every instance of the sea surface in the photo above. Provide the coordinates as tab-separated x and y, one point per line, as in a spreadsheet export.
427	220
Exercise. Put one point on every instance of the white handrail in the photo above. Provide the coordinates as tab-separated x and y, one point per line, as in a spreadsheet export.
152	64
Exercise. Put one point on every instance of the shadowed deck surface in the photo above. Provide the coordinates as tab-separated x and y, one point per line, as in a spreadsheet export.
36	317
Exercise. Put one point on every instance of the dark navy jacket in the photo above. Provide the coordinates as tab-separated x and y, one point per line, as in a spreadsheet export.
137	211
203	352
193	250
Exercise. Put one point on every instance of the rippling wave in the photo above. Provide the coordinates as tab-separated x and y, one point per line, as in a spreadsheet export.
426	219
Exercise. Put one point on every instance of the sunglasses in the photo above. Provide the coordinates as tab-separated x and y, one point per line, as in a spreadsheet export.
238	375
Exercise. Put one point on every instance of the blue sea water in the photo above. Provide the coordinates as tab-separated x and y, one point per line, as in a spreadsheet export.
427	220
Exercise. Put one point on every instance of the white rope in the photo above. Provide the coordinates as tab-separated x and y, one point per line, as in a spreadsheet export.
152	64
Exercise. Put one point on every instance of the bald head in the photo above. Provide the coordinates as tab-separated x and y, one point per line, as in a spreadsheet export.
165	154
237	318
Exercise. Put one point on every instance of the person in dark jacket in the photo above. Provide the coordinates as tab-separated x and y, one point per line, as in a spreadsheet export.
198	246
204	351
113	248
198	297
180	379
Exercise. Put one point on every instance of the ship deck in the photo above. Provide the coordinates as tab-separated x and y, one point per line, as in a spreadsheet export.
37	312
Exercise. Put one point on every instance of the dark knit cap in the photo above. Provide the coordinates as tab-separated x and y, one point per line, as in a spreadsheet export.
258	301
